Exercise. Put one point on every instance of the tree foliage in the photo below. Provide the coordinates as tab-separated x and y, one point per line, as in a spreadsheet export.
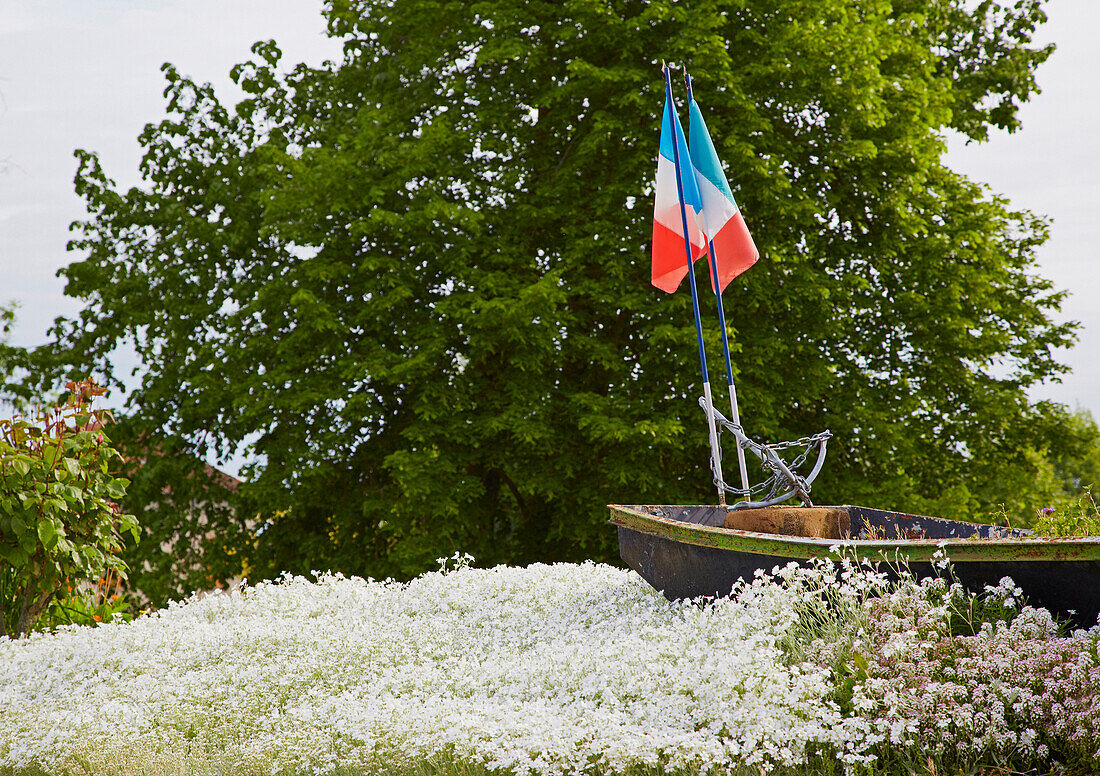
413	283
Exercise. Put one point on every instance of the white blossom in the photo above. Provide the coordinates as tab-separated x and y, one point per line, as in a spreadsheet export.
546	670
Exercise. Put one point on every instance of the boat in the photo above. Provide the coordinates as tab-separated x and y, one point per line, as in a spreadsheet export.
694	551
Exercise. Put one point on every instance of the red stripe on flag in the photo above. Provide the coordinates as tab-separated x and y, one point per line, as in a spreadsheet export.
734	250
669	262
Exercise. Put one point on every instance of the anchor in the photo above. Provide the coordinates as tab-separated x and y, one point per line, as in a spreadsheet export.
784	482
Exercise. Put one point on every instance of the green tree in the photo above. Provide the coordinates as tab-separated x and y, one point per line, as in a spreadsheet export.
413	283
1064	463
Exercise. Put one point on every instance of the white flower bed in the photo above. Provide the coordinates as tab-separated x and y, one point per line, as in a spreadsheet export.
547	669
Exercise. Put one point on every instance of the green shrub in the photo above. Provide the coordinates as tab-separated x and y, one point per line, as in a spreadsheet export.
1070	517
59	521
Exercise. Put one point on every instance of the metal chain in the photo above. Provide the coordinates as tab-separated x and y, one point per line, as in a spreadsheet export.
772	486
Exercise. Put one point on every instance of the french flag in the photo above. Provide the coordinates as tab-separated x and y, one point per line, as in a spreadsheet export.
734	250
670	263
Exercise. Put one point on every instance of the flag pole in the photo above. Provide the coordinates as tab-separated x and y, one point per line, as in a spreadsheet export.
735	416
715	454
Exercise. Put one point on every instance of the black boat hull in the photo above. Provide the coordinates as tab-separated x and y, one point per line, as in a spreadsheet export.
1061	576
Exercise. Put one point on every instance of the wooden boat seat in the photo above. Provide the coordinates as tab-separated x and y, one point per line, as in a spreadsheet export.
817	522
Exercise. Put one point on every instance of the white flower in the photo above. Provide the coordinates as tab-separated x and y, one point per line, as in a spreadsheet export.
545	670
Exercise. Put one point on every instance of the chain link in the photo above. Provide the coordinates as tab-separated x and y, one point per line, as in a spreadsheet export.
777	482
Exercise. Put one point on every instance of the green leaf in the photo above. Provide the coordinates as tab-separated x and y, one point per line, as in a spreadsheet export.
50	455
116	488
47	533
73	467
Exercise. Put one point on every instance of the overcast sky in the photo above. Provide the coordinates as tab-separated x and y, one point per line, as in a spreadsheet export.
85	74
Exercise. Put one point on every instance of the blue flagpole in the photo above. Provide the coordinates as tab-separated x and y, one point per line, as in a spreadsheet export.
716	460
736	418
